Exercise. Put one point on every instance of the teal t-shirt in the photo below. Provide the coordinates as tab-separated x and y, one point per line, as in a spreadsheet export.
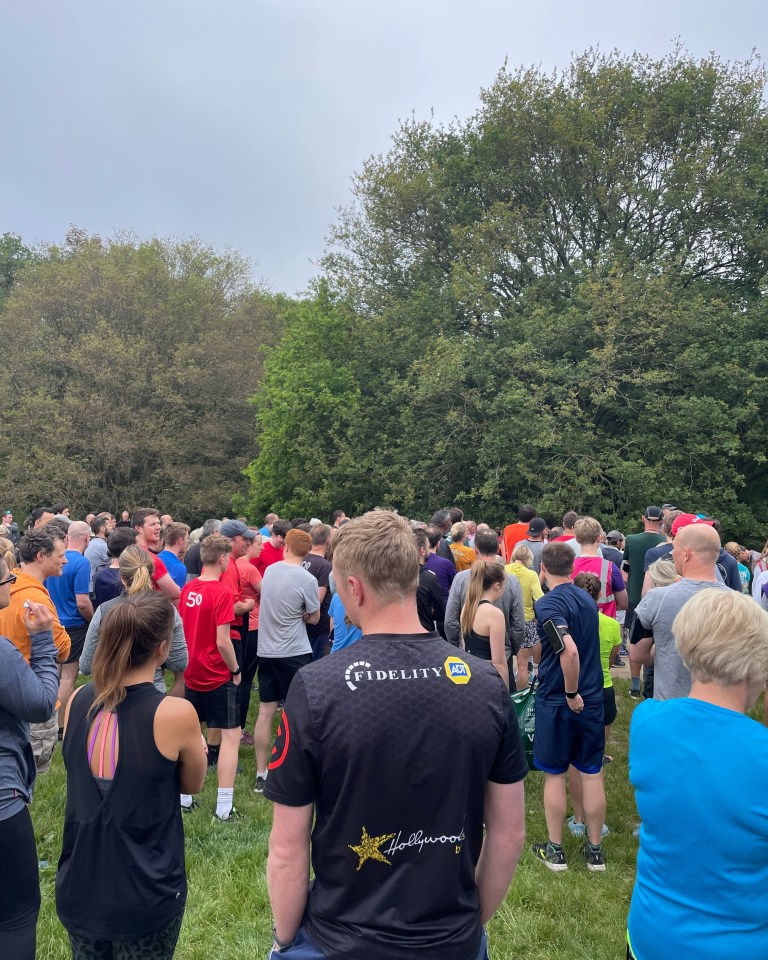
701	890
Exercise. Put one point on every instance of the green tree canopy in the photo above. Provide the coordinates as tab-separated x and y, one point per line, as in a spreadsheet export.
129	376
559	300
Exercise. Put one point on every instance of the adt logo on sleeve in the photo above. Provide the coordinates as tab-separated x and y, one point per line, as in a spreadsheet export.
457	671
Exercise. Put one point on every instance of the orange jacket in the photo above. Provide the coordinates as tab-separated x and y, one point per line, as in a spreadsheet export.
12	617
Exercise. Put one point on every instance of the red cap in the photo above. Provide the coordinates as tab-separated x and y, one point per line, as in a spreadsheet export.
686	519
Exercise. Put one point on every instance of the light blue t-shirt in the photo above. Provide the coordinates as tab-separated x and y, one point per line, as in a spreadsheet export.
343	636
699	773
175	567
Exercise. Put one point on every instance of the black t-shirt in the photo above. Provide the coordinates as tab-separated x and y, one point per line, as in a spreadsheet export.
571	607
393	740
319	567
193	561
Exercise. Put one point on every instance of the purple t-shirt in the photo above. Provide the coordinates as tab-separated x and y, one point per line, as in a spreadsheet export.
443	569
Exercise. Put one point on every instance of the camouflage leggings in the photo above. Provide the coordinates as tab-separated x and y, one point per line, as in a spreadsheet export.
158	945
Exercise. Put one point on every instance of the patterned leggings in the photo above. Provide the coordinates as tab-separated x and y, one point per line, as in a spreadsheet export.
158	945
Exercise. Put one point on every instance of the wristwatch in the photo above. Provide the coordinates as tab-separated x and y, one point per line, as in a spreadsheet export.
571	695
236	673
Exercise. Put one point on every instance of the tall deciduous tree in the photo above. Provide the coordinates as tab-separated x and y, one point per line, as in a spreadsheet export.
558	300
129	376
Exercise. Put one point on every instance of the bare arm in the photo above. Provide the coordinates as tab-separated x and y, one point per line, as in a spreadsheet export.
177	735
497	640
504	837
641	651
84	606
244	606
288	867
169	588
569	664
312	618
622	599
226	647
647	584
453	613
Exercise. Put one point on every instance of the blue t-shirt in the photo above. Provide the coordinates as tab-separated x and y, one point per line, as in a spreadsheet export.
699	773
343	636
175	567
75	578
571	607
107	585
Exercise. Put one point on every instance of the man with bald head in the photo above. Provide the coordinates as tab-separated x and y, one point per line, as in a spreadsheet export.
694	553
71	595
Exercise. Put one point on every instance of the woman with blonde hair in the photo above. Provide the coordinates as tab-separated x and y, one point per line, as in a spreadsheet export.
698	890
463	556
483	626
121	885
522	568
136	567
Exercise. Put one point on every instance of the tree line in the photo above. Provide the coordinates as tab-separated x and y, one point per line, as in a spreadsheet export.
559	300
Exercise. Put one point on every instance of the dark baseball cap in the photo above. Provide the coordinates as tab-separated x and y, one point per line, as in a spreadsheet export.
536	527
653	513
236	528
614	536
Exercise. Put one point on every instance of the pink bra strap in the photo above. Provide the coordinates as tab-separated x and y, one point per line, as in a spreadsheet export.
114	740
96	727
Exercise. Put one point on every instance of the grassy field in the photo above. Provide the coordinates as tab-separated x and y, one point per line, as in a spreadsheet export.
576	914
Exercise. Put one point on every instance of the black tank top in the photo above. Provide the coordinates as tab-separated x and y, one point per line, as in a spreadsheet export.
476	644
121	872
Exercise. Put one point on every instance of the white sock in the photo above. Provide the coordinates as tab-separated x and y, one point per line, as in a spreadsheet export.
224	801
263	774
186	799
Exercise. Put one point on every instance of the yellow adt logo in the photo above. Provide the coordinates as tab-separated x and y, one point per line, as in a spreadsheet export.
457	671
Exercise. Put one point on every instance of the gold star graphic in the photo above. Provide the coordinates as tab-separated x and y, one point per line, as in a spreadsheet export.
369	848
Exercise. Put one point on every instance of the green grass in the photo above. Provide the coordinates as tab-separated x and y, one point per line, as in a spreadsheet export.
576	914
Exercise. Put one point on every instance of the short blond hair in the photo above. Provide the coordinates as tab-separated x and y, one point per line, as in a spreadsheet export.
458	531
662	571
380	549
523	554
587	530
722	637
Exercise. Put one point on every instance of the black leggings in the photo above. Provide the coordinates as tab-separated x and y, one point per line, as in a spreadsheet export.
20	894
160	944
249	664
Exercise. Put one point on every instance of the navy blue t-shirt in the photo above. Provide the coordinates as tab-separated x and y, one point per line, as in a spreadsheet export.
571	607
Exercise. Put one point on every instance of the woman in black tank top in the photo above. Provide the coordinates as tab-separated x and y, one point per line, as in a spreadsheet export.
483	625
129	751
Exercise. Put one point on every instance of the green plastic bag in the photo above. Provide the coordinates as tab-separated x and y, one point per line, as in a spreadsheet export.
524	702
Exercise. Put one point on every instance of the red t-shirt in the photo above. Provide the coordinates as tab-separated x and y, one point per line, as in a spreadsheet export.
160	570
250	578
513	534
231	580
203	607
268	556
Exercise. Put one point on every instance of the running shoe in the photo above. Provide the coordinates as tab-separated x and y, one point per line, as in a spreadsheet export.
551	858
231	817
247	739
260	784
594	858
636	694
193	806
577	829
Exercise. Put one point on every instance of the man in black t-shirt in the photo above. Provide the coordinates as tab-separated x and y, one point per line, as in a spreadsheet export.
318	566
399	750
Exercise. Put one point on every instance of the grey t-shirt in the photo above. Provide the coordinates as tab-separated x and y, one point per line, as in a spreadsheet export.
287	593
96	554
657	611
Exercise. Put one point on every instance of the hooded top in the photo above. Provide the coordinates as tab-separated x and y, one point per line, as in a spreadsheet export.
12	623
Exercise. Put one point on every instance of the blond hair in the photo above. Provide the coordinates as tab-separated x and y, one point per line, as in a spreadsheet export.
380	549
722	637
662	572
523	554
458	532
136	568
587	530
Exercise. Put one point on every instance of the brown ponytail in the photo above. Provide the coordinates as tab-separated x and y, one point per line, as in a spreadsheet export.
136	568
130	634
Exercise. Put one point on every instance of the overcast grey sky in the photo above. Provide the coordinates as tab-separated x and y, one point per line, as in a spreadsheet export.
242	121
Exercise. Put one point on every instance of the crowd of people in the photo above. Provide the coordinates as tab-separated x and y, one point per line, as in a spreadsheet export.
386	650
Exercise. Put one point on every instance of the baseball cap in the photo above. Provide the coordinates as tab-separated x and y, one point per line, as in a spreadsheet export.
536	527
613	536
668	506
236	528
686	519
653	513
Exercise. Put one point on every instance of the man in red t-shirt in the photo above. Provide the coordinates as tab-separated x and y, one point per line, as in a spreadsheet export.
515	532
274	548
212	676
241	537
146	523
